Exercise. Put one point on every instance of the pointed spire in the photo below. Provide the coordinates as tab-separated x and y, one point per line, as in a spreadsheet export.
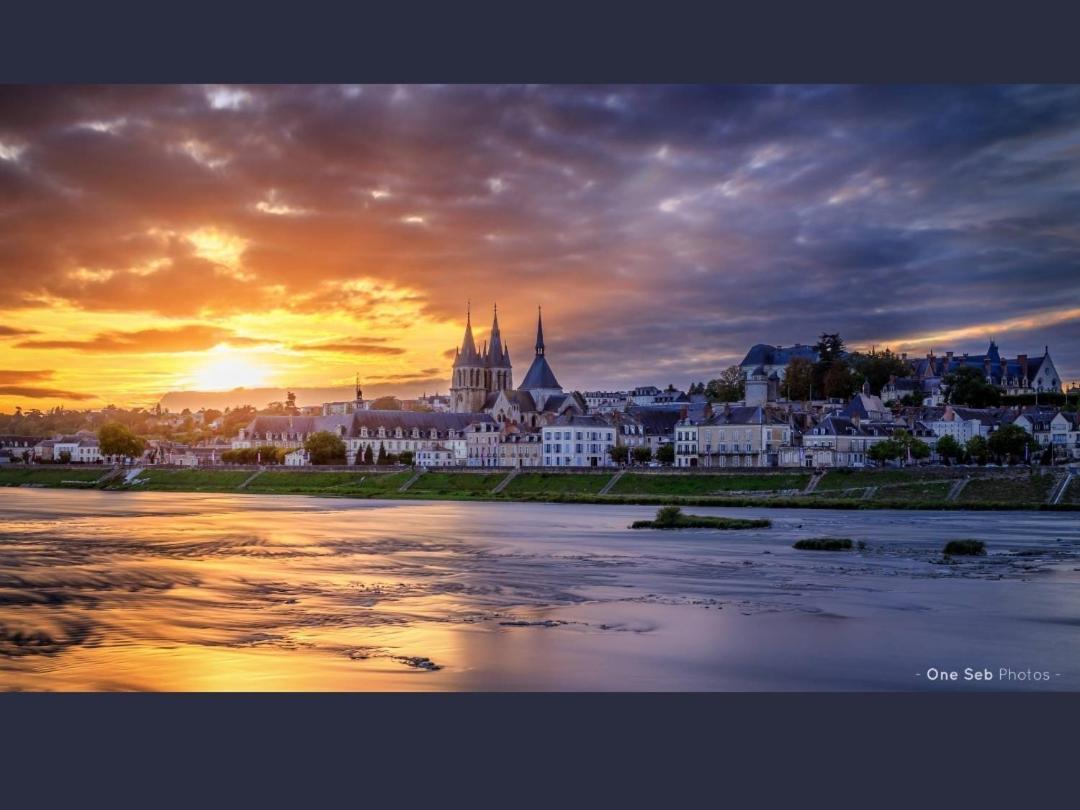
468	354
539	332
495	348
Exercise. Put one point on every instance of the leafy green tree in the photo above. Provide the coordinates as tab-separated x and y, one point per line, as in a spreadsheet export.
918	449
728	387
665	454
65	457
798	379
642	454
949	448
977	450
369	455
268	454
325	448
359	457
406	457
619	453
888	450
1011	443
877	367
117	440
967	386
382	458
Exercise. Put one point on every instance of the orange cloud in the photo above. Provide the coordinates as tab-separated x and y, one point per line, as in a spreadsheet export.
188	338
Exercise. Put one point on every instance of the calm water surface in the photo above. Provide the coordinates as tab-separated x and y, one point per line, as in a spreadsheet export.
171	591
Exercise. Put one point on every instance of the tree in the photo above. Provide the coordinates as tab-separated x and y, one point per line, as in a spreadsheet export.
117	440
619	453
878	367
290	403
369	455
888	450
65	457
977	449
406	457
665	454
642	454
386	404
967	386
728	387
798	379
949	448
839	382
325	447
382	454
359	458
1010	443
829	348
918	449
268	454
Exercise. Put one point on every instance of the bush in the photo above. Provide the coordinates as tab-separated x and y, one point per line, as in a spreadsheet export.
672	517
668	516
970	548
825	544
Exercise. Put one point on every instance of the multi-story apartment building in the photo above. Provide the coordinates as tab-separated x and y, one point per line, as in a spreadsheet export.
578	441
741	436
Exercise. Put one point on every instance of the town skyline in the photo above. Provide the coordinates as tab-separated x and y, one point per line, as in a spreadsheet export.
205	238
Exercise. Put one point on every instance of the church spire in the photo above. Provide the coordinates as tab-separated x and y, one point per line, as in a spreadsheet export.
539	332
468	354
496	356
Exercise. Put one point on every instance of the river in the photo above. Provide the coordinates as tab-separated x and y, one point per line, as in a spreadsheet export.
198	592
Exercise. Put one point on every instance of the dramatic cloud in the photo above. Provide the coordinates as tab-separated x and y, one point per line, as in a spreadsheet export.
193	337
11	331
16	376
33	392
664	228
349	346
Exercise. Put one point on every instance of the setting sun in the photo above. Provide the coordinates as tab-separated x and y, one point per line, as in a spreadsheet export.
227	371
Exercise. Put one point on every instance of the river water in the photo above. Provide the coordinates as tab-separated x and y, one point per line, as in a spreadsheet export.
195	592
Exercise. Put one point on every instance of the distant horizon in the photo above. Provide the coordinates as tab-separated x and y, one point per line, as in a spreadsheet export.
195	238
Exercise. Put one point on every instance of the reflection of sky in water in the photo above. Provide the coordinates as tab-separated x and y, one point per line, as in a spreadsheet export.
222	592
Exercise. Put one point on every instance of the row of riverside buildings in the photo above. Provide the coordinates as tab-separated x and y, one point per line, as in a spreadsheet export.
486	422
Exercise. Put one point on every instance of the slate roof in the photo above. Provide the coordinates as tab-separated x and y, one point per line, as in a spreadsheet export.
762	354
539	376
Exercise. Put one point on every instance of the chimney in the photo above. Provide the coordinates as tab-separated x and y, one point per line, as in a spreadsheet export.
1022	362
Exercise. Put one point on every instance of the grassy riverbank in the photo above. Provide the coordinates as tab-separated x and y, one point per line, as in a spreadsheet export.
925	488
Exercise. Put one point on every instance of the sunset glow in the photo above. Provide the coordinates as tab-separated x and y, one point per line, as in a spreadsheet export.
171	238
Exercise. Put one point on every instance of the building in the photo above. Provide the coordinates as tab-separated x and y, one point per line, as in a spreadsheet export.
521	449
479	373
774	359
436	455
482	444
82	448
606	401
962	424
741	436
578	441
842	441
392	431
1023	374
17	448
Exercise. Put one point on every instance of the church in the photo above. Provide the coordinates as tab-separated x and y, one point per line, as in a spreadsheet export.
483	382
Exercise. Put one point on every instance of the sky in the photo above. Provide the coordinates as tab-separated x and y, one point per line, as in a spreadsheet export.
158	239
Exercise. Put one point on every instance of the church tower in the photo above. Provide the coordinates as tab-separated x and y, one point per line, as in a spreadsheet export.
499	373
468	385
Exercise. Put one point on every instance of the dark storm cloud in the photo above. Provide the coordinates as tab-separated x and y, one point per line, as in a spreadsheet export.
664	228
